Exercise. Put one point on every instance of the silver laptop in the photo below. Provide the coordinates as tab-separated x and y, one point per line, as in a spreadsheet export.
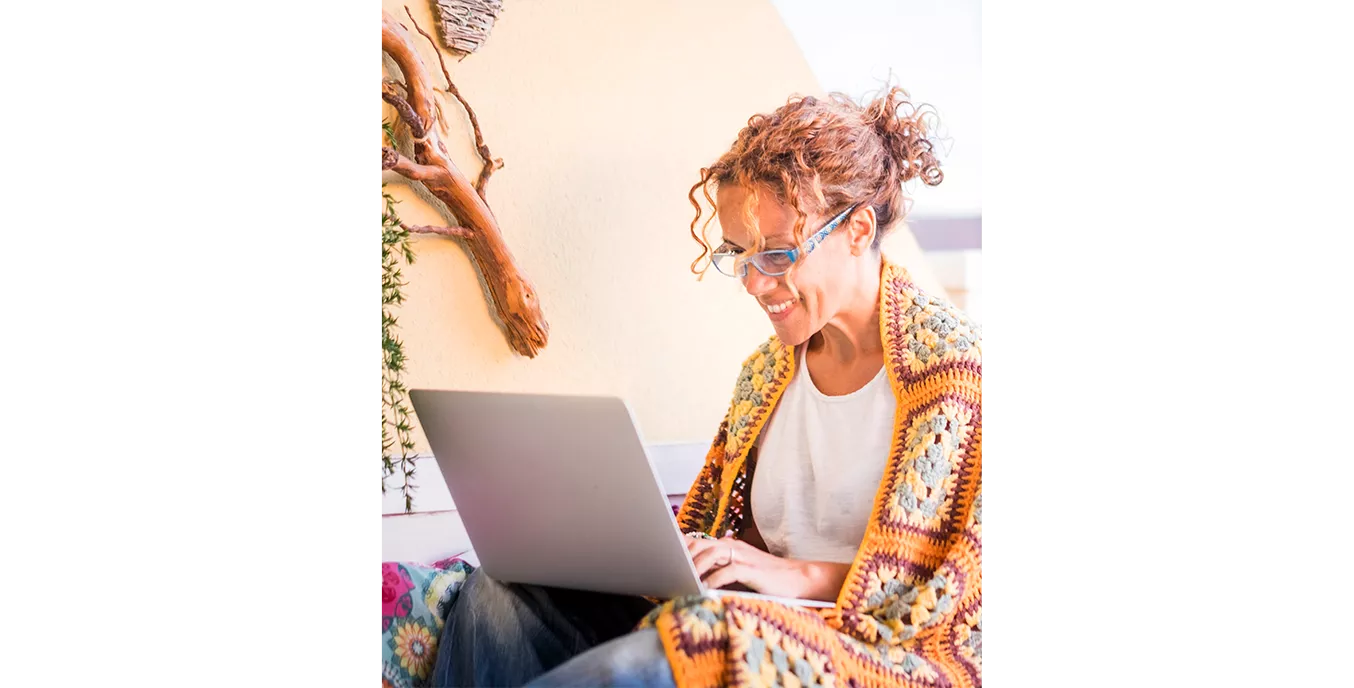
558	490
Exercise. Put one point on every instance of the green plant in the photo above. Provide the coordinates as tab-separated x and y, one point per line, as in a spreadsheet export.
397	425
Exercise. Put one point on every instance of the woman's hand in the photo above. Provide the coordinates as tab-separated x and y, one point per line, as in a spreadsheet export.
728	561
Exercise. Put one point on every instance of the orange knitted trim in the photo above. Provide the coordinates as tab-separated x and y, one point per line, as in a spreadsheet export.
943	656
705	670
771	393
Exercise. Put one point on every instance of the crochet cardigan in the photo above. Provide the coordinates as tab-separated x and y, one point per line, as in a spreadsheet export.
910	611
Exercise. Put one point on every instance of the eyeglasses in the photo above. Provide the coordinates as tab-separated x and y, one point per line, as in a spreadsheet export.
776	262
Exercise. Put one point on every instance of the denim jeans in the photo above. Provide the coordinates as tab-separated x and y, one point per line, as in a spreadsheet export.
500	634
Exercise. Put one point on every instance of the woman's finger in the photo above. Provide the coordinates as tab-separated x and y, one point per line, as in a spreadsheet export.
710	558
726	575
695	546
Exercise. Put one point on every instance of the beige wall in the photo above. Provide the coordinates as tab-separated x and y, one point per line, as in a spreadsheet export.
604	112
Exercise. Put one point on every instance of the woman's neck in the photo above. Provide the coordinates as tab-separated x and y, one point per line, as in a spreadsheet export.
853	333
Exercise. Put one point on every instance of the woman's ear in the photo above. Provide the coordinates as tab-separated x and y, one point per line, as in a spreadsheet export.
861	229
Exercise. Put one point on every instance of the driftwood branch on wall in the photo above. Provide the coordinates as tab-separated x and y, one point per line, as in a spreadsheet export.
515	301
490	163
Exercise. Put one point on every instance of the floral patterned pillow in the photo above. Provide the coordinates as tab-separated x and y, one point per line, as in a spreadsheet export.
415	599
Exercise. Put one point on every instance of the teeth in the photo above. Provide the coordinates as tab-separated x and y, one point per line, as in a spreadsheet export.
778	307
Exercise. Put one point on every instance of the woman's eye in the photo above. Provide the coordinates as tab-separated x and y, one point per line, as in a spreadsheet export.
777	259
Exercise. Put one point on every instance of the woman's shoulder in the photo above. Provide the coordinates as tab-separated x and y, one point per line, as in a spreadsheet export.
926	329
767	361
773	350
764	369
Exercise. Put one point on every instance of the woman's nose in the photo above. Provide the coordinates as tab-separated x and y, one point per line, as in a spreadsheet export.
756	283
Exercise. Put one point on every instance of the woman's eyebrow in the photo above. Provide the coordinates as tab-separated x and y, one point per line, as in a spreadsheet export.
730	244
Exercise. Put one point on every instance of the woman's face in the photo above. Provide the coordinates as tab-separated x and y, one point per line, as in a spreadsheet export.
823	279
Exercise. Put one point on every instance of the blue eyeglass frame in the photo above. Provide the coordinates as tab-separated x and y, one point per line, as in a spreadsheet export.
795	254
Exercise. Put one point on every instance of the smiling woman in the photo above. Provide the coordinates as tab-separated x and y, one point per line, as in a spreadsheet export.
848	468
809	160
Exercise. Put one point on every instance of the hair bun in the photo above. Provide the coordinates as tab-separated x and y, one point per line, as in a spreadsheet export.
902	127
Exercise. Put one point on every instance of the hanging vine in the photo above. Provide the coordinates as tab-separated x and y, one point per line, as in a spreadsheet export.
397	426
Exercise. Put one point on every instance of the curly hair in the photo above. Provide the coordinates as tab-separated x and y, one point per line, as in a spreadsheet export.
827	154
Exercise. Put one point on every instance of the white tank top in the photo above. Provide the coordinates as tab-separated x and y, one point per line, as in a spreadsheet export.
819	464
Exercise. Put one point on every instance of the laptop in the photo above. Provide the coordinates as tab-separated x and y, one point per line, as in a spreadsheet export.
558	490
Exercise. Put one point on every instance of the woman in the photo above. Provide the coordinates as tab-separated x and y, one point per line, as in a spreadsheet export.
848	468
